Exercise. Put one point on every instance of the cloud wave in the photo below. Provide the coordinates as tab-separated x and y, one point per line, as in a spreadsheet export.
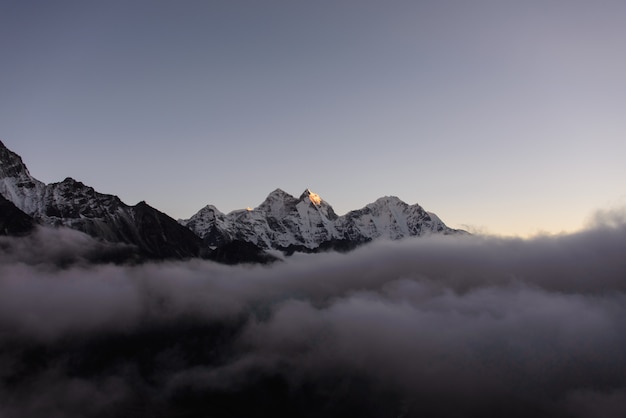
440	326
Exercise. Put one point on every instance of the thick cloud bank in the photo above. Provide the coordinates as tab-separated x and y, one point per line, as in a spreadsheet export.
437	327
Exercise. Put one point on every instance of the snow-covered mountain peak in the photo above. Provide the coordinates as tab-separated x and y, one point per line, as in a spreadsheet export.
278	192
207	224
16	183
69	182
11	165
389	200
310	201
313	197
278	203
206	215
210	209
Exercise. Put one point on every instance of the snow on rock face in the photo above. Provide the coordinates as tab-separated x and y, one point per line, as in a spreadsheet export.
283	220
72	199
17	185
390	218
55	203
316	219
209	224
72	204
278	204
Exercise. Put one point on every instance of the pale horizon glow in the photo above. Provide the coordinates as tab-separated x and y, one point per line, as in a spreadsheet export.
504	118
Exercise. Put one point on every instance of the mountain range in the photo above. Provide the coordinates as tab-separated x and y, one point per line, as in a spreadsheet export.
281	222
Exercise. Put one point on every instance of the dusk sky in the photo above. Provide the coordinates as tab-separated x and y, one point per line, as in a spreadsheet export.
506	117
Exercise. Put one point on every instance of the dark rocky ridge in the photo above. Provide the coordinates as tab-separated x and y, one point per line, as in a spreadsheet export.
72	204
12	220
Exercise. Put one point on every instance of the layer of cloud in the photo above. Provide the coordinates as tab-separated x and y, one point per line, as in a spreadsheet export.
440	326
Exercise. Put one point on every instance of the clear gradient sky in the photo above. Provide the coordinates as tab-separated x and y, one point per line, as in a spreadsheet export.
502	116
